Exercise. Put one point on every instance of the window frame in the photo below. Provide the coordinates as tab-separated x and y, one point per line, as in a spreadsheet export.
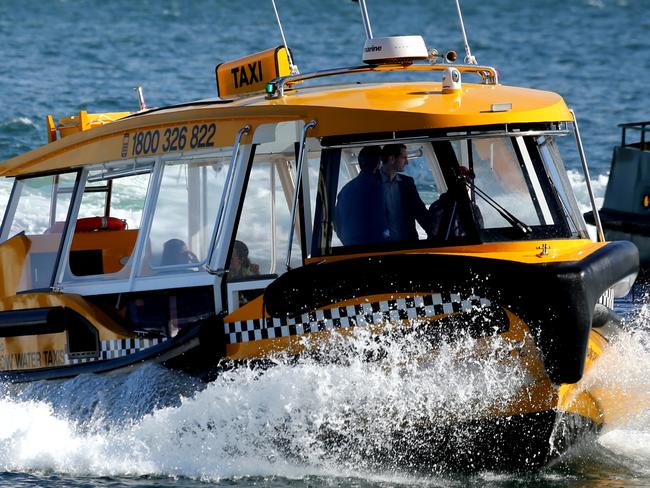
519	136
12	207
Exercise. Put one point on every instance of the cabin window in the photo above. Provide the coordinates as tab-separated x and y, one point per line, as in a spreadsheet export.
500	175
260	246
550	155
39	207
451	190
109	220
351	210
509	187
184	215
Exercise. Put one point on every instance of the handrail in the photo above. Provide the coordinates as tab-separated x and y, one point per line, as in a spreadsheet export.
275	88
642	127
583	159
294	203
460	137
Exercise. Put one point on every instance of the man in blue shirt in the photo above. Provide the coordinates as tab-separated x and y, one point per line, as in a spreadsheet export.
359	216
403	205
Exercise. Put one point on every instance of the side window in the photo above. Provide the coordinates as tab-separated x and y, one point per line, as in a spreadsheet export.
184	216
39	209
5	191
108	221
265	216
362	202
42	202
260	247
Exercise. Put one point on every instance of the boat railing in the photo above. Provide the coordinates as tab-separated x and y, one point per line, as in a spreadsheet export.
641	127
275	88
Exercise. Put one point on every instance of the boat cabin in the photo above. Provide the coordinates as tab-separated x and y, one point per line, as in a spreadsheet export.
141	227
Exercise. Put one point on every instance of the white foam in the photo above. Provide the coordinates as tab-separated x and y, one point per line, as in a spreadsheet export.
249	423
25	121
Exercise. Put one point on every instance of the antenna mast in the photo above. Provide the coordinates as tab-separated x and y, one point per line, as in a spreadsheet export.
469	59
365	18
294	68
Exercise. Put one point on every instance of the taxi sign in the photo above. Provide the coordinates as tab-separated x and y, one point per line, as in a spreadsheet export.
251	73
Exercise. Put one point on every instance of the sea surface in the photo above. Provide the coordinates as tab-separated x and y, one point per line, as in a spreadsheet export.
153	427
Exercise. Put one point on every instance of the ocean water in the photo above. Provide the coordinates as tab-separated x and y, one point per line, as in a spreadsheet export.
154	427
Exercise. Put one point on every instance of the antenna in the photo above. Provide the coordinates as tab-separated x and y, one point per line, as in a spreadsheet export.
469	59
365	18
139	93
294	68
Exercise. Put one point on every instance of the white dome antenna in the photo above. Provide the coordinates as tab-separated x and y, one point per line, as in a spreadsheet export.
394	50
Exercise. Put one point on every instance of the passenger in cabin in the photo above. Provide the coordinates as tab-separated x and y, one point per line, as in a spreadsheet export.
403	205
175	251
445	209
359	216
240	265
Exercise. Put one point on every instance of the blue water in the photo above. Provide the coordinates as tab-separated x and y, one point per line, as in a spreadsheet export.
157	428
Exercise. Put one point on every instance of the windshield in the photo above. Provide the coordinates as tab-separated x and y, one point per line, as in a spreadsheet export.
443	192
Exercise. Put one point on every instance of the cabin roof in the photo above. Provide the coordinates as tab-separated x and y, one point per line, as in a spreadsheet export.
338	110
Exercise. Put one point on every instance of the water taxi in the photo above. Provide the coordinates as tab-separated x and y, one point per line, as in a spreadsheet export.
626	208
294	208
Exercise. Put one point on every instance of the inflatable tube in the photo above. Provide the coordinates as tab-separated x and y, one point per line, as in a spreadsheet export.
89	224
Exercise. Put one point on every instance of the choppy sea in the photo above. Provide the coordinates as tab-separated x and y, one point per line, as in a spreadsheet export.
153	427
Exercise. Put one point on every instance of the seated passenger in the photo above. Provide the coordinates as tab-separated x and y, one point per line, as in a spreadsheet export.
359	216
240	266
403	205
175	251
445	209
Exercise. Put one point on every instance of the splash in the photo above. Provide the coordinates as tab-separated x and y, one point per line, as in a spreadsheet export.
316	416
621	382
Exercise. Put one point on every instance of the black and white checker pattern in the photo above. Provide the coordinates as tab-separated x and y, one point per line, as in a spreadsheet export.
412	308
117	348
607	299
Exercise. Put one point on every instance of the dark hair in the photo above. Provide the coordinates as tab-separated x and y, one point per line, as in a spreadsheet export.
369	158
173	252
241	250
391	150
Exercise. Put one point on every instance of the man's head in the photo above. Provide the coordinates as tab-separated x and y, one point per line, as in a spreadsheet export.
369	158
394	158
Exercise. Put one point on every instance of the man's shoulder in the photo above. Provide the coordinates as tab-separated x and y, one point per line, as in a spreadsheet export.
406	180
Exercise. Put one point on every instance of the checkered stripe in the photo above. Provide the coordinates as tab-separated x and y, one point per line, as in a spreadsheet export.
117	348
607	298
413	308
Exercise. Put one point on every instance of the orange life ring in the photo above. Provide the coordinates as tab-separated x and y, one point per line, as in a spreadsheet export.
89	224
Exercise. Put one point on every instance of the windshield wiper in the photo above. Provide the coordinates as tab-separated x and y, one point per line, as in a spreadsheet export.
511	219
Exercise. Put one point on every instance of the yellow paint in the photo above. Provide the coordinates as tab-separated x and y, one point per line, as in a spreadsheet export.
251	73
116	246
105	143
32	352
51	128
85	121
561	250
13	253
338	110
107	328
